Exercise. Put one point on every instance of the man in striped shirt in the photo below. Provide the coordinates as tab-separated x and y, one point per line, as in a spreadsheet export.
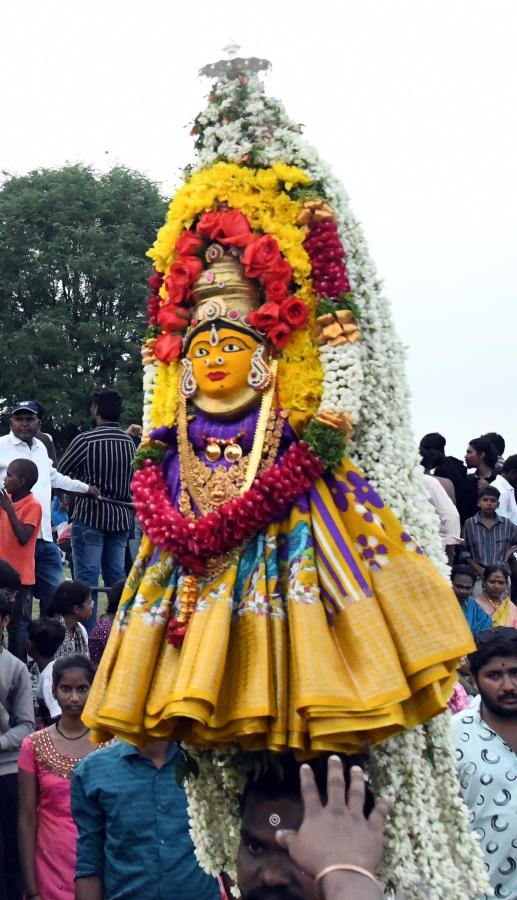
487	537
100	531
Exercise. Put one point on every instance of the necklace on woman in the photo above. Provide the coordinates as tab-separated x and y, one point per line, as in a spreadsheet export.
65	736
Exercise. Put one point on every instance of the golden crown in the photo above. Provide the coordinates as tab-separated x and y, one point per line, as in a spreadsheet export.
223	291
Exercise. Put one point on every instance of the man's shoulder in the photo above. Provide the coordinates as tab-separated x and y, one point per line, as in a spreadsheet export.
16	669
101	760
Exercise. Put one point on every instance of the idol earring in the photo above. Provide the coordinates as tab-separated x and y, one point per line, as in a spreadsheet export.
188	385
260	376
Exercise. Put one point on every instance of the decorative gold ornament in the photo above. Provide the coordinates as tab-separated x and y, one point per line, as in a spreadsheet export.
213	452
314	211
233	453
223	291
341	422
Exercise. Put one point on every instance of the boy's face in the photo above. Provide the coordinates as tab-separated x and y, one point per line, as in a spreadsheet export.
13	482
84	611
488	505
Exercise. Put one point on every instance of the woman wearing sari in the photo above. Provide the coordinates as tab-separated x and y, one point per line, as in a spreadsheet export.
495	598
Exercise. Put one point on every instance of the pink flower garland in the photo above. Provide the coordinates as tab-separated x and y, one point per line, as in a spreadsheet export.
194	541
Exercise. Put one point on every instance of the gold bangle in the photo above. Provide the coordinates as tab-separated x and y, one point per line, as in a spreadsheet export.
345	867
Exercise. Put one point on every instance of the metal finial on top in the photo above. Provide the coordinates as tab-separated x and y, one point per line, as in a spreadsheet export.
235	66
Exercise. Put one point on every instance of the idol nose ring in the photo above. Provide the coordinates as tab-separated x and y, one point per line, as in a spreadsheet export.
219	360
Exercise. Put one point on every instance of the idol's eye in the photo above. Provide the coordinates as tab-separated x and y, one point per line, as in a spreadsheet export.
254	847
231	348
200	351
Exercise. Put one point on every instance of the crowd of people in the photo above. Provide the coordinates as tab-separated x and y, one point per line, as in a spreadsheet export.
91	821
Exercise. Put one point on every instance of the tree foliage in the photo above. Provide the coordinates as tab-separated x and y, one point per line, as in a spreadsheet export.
73	288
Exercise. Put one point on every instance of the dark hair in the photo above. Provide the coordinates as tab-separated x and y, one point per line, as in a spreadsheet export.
481	445
489	491
26	469
5	604
72	661
67	595
433	441
462	569
497	441
108	403
47	635
9	576
500	641
282	779
114	595
510	463
496	567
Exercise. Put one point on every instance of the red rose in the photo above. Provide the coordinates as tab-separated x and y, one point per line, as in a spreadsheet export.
168	347
294	311
279	335
189	244
234	228
209	224
181	275
260	256
276	291
280	270
173	318
265	316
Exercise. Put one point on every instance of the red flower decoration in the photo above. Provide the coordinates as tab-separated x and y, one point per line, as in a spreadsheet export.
194	541
173	318
265	317
261	256
168	347
279	335
182	275
234	229
294	311
188	244
329	275
276	291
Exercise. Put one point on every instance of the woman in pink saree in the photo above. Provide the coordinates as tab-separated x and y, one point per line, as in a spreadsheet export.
47	833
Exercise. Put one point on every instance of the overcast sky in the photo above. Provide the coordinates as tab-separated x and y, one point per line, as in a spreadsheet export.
414	104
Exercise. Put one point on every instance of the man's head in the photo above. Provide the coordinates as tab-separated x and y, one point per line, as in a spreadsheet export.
480	452
265	870
45	636
497	441
494	669
510	470
432	449
25	422
106	406
488	500
21	476
462	580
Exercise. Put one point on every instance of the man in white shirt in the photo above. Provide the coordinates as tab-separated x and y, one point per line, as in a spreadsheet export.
506	482
450	528
21	443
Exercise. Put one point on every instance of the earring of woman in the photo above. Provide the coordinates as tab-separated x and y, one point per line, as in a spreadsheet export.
188	384
260	376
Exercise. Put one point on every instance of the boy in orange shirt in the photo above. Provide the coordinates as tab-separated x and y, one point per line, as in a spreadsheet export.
20	519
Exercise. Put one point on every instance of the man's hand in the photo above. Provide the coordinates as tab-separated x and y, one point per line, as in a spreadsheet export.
338	832
134	431
93	492
5	500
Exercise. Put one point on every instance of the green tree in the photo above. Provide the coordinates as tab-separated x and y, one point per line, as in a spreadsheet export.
73	288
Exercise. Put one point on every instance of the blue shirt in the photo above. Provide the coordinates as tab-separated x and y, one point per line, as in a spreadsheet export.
133	827
478	620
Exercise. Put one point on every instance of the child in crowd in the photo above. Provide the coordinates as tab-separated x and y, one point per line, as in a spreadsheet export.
98	637
72	605
45	637
47	833
20	519
16	722
488	538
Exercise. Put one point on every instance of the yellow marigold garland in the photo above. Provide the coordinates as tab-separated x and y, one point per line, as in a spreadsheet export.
260	196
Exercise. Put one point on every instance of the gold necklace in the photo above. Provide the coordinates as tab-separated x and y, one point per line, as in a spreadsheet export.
210	487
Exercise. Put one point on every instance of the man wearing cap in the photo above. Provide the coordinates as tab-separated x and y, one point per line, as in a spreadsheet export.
21	443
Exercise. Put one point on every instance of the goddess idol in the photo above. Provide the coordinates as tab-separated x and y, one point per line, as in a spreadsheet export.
276	601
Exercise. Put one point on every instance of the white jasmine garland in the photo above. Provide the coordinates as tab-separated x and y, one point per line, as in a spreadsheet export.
149	380
430	850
